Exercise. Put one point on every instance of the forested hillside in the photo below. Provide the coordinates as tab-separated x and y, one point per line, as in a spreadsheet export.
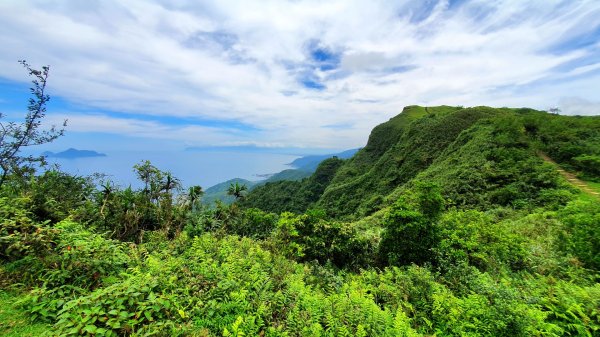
480	157
449	222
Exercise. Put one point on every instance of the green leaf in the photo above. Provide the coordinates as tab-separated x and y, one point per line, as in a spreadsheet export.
90	328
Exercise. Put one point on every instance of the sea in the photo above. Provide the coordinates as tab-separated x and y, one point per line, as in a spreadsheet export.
191	167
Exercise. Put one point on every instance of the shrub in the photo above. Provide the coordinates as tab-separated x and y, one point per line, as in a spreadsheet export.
478	239
581	219
255	223
574	309
118	310
309	237
55	194
20	235
80	261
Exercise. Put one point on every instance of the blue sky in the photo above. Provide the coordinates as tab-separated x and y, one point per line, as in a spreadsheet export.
309	75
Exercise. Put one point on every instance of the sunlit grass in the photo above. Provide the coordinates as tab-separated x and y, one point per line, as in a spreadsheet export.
14	322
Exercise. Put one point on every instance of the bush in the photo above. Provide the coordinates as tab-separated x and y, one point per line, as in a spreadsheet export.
255	224
574	309
589	164
309	237
20	235
55	194
581	219
478	239
83	258
118	310
80	261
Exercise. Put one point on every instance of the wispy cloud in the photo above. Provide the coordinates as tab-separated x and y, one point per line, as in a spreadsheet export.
296	73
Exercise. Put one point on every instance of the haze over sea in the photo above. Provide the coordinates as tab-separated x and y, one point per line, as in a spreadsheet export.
204	168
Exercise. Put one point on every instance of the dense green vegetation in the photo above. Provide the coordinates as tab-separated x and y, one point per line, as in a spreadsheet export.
219	191
294	196
447	223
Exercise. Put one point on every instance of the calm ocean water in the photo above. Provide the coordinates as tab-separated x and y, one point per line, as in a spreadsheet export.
193	168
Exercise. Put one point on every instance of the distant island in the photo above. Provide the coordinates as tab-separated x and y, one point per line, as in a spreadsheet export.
73	154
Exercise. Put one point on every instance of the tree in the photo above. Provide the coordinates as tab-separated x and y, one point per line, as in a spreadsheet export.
191	200
152	178
194	196
170	183
555	111
411	227
237	190
15	136
107	190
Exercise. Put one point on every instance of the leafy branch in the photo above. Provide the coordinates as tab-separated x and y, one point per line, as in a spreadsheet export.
15	136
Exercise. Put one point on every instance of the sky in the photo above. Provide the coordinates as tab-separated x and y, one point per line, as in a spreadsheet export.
309	75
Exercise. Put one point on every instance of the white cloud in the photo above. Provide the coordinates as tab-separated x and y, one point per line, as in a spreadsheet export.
579	106
233	60
77	122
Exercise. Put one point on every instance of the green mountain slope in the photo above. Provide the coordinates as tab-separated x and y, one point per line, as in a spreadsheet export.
219	191
289	174
305	167
419	138
480	156
294	196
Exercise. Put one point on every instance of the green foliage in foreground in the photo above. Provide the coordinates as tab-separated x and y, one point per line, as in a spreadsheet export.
493	244
498	273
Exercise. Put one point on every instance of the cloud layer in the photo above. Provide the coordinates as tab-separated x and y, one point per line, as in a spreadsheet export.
298	73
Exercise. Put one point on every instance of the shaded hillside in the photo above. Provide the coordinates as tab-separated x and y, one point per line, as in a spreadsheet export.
219	191
294	196
289	174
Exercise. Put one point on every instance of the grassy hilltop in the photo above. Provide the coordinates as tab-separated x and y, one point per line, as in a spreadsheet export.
451	221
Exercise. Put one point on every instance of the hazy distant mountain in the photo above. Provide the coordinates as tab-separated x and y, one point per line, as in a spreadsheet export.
310	163
289	175
305	166
73	153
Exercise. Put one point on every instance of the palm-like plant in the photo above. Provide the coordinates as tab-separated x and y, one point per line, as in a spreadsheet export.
107	190
170	182
194	195
237	190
